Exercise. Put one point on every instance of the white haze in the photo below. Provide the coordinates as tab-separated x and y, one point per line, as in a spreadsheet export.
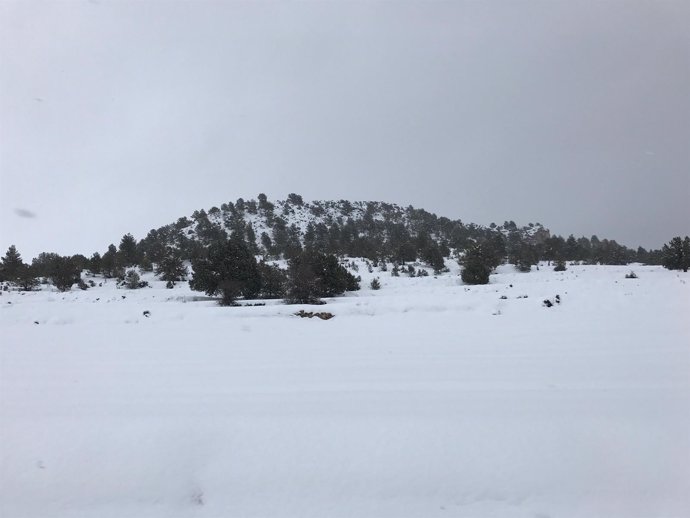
119	117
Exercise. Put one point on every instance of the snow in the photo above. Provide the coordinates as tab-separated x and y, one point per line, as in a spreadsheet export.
425	398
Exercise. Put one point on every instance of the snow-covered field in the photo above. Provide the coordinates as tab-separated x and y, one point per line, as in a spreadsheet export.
427	398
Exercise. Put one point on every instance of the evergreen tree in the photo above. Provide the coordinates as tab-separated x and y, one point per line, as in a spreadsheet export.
171	267
676	254
145	263
80	262
12	265
229	269
64	273
109	265
571	250
280	237
431	254
132	280
127	253
251	239
295	199
309	236
293	247
525	256
273	281
476	265
494	249
95	265
26	278
312	275
266	243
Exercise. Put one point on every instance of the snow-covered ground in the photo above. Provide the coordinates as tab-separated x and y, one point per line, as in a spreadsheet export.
427	398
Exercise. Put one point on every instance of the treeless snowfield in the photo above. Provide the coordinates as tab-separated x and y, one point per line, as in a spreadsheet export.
427	398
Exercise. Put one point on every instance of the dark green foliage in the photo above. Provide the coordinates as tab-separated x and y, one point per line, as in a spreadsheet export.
43	263
303	284
132	281
251	207
293	247
375	284
80	261
95	265
11	265
127	253
264	204
312	275
431	255
525	256
171	267
554	248
229	269
26	279
63	273
145	264
295	199
476	265
676	254
109	265
560	266
266	243
372	230
251	239
273	281
494	248
280	237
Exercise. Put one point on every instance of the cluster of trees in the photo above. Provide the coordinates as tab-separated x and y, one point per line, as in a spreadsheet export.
228	268
63	272
375	231
222	245
482	257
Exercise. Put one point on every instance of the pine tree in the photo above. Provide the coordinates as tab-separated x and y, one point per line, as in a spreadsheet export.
109	265
273	281
12	265
676	254
251	239
431	254
171	267
26	278
312	275
132	280
64	273
266	243
476	265
525	256
127	253
229	269
95	265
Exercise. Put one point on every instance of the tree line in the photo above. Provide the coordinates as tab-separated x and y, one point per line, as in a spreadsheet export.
225	238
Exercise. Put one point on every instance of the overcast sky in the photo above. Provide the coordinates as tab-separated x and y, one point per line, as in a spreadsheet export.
120	117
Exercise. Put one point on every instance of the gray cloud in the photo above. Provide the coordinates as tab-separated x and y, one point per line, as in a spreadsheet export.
23	213
122	116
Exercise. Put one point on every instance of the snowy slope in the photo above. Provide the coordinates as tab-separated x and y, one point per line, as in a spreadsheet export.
328	213
426	398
